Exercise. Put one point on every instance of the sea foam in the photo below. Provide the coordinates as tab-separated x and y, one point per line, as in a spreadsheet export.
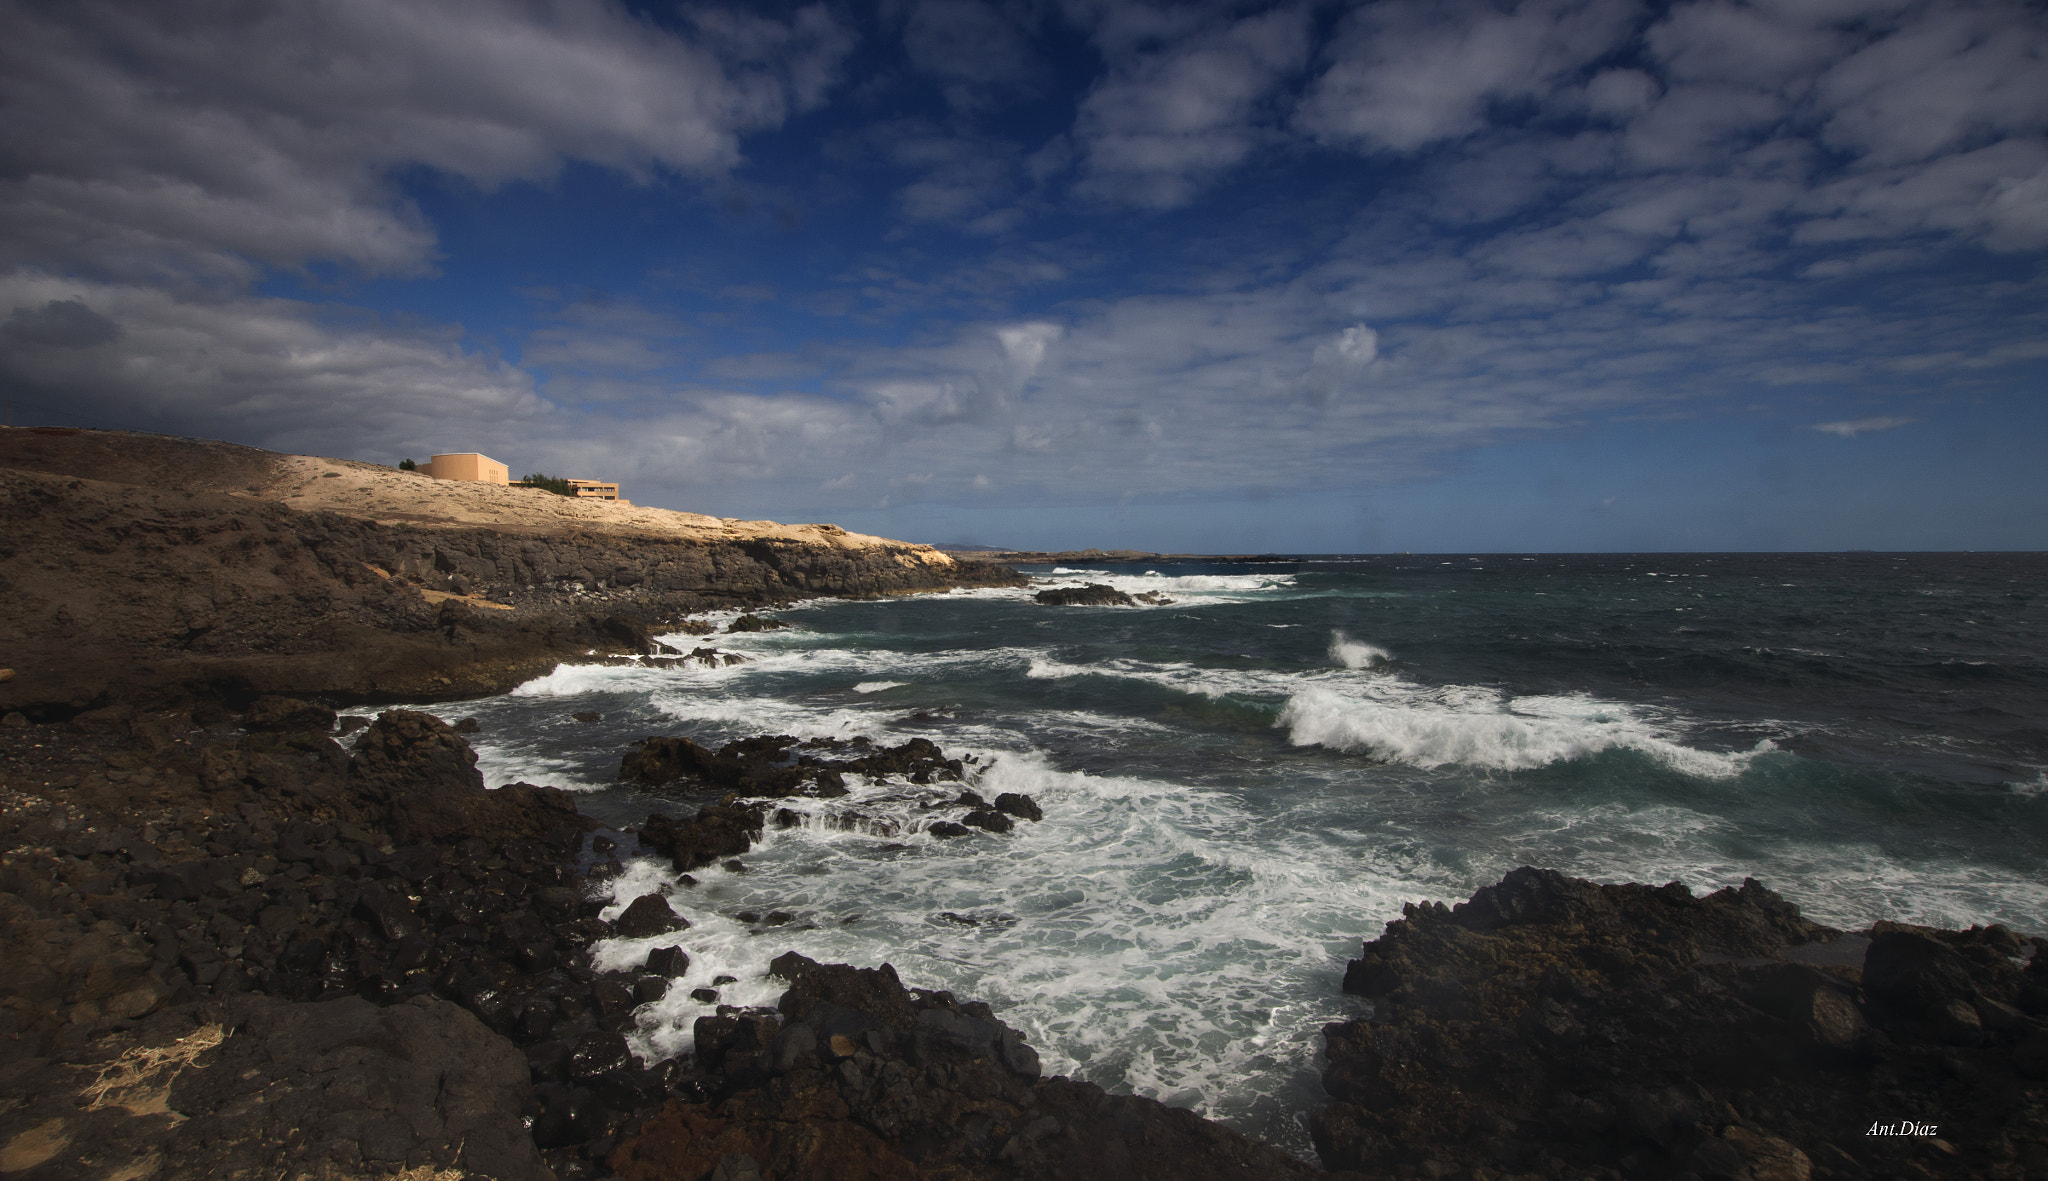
1502	734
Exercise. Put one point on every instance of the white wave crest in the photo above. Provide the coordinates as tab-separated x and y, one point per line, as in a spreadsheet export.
1185	588
1503	735
1356	653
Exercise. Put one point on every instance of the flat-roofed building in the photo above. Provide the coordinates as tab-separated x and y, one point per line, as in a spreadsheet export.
468	465
594	489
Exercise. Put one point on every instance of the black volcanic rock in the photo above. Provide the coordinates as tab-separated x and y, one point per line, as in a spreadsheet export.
1095	594
1561	1028
649	914
286	714
852	1075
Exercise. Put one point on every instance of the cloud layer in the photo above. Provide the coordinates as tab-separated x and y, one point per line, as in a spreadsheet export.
1032	253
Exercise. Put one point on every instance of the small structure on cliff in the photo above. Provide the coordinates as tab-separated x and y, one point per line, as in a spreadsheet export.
596	490
468	465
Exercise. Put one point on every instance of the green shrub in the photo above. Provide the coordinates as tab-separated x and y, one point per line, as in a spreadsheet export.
407	465
559	485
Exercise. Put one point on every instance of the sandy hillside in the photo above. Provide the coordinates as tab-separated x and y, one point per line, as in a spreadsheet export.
390	496
386	494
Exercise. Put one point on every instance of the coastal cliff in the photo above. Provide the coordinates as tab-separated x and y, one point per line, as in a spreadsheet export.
137	566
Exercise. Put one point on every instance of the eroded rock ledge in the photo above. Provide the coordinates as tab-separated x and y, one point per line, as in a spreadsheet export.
1550	1027
142	568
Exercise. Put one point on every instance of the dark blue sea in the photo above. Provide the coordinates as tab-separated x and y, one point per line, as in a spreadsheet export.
1243	783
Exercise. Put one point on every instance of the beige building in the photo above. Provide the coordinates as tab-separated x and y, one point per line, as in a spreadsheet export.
595	489
469	465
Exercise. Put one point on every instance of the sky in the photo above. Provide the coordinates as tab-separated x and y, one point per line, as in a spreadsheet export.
1406	275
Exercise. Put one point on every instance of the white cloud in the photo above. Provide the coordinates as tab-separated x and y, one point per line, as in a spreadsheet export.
1851	428
1166	121
267	369
1407	73
1958	73
161	140
1025	344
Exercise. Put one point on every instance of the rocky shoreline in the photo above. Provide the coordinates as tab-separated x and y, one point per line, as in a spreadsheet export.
242	948
247	950
251	952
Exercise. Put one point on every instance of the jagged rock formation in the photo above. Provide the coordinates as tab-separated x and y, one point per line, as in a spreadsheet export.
856	1078
1550	1027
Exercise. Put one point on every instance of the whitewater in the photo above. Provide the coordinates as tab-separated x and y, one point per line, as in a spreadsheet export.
1250	773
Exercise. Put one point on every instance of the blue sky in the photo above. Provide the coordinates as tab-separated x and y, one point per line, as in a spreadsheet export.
1551	276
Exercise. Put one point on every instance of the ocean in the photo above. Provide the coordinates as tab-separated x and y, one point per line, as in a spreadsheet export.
1243	783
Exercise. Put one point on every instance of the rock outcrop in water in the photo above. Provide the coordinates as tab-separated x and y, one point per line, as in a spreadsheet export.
1550	1027
1095	594
780	765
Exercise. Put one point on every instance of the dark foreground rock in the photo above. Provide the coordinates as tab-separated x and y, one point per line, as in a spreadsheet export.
1095	594
855	1078
1551	1027
256	953
328	916
258	1087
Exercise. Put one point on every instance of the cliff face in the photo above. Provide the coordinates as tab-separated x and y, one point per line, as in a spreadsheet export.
135	565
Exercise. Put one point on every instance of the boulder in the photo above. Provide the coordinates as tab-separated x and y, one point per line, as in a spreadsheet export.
649	914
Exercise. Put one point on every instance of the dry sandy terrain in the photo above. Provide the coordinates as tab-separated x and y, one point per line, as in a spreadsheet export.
390	496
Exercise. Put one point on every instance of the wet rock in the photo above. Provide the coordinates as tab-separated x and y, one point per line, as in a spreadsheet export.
587	717
597	1055
649	914
468	726
988	820
632	635
653	762
668	961
716	831
1020	806
948	829
755	623
1095	594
